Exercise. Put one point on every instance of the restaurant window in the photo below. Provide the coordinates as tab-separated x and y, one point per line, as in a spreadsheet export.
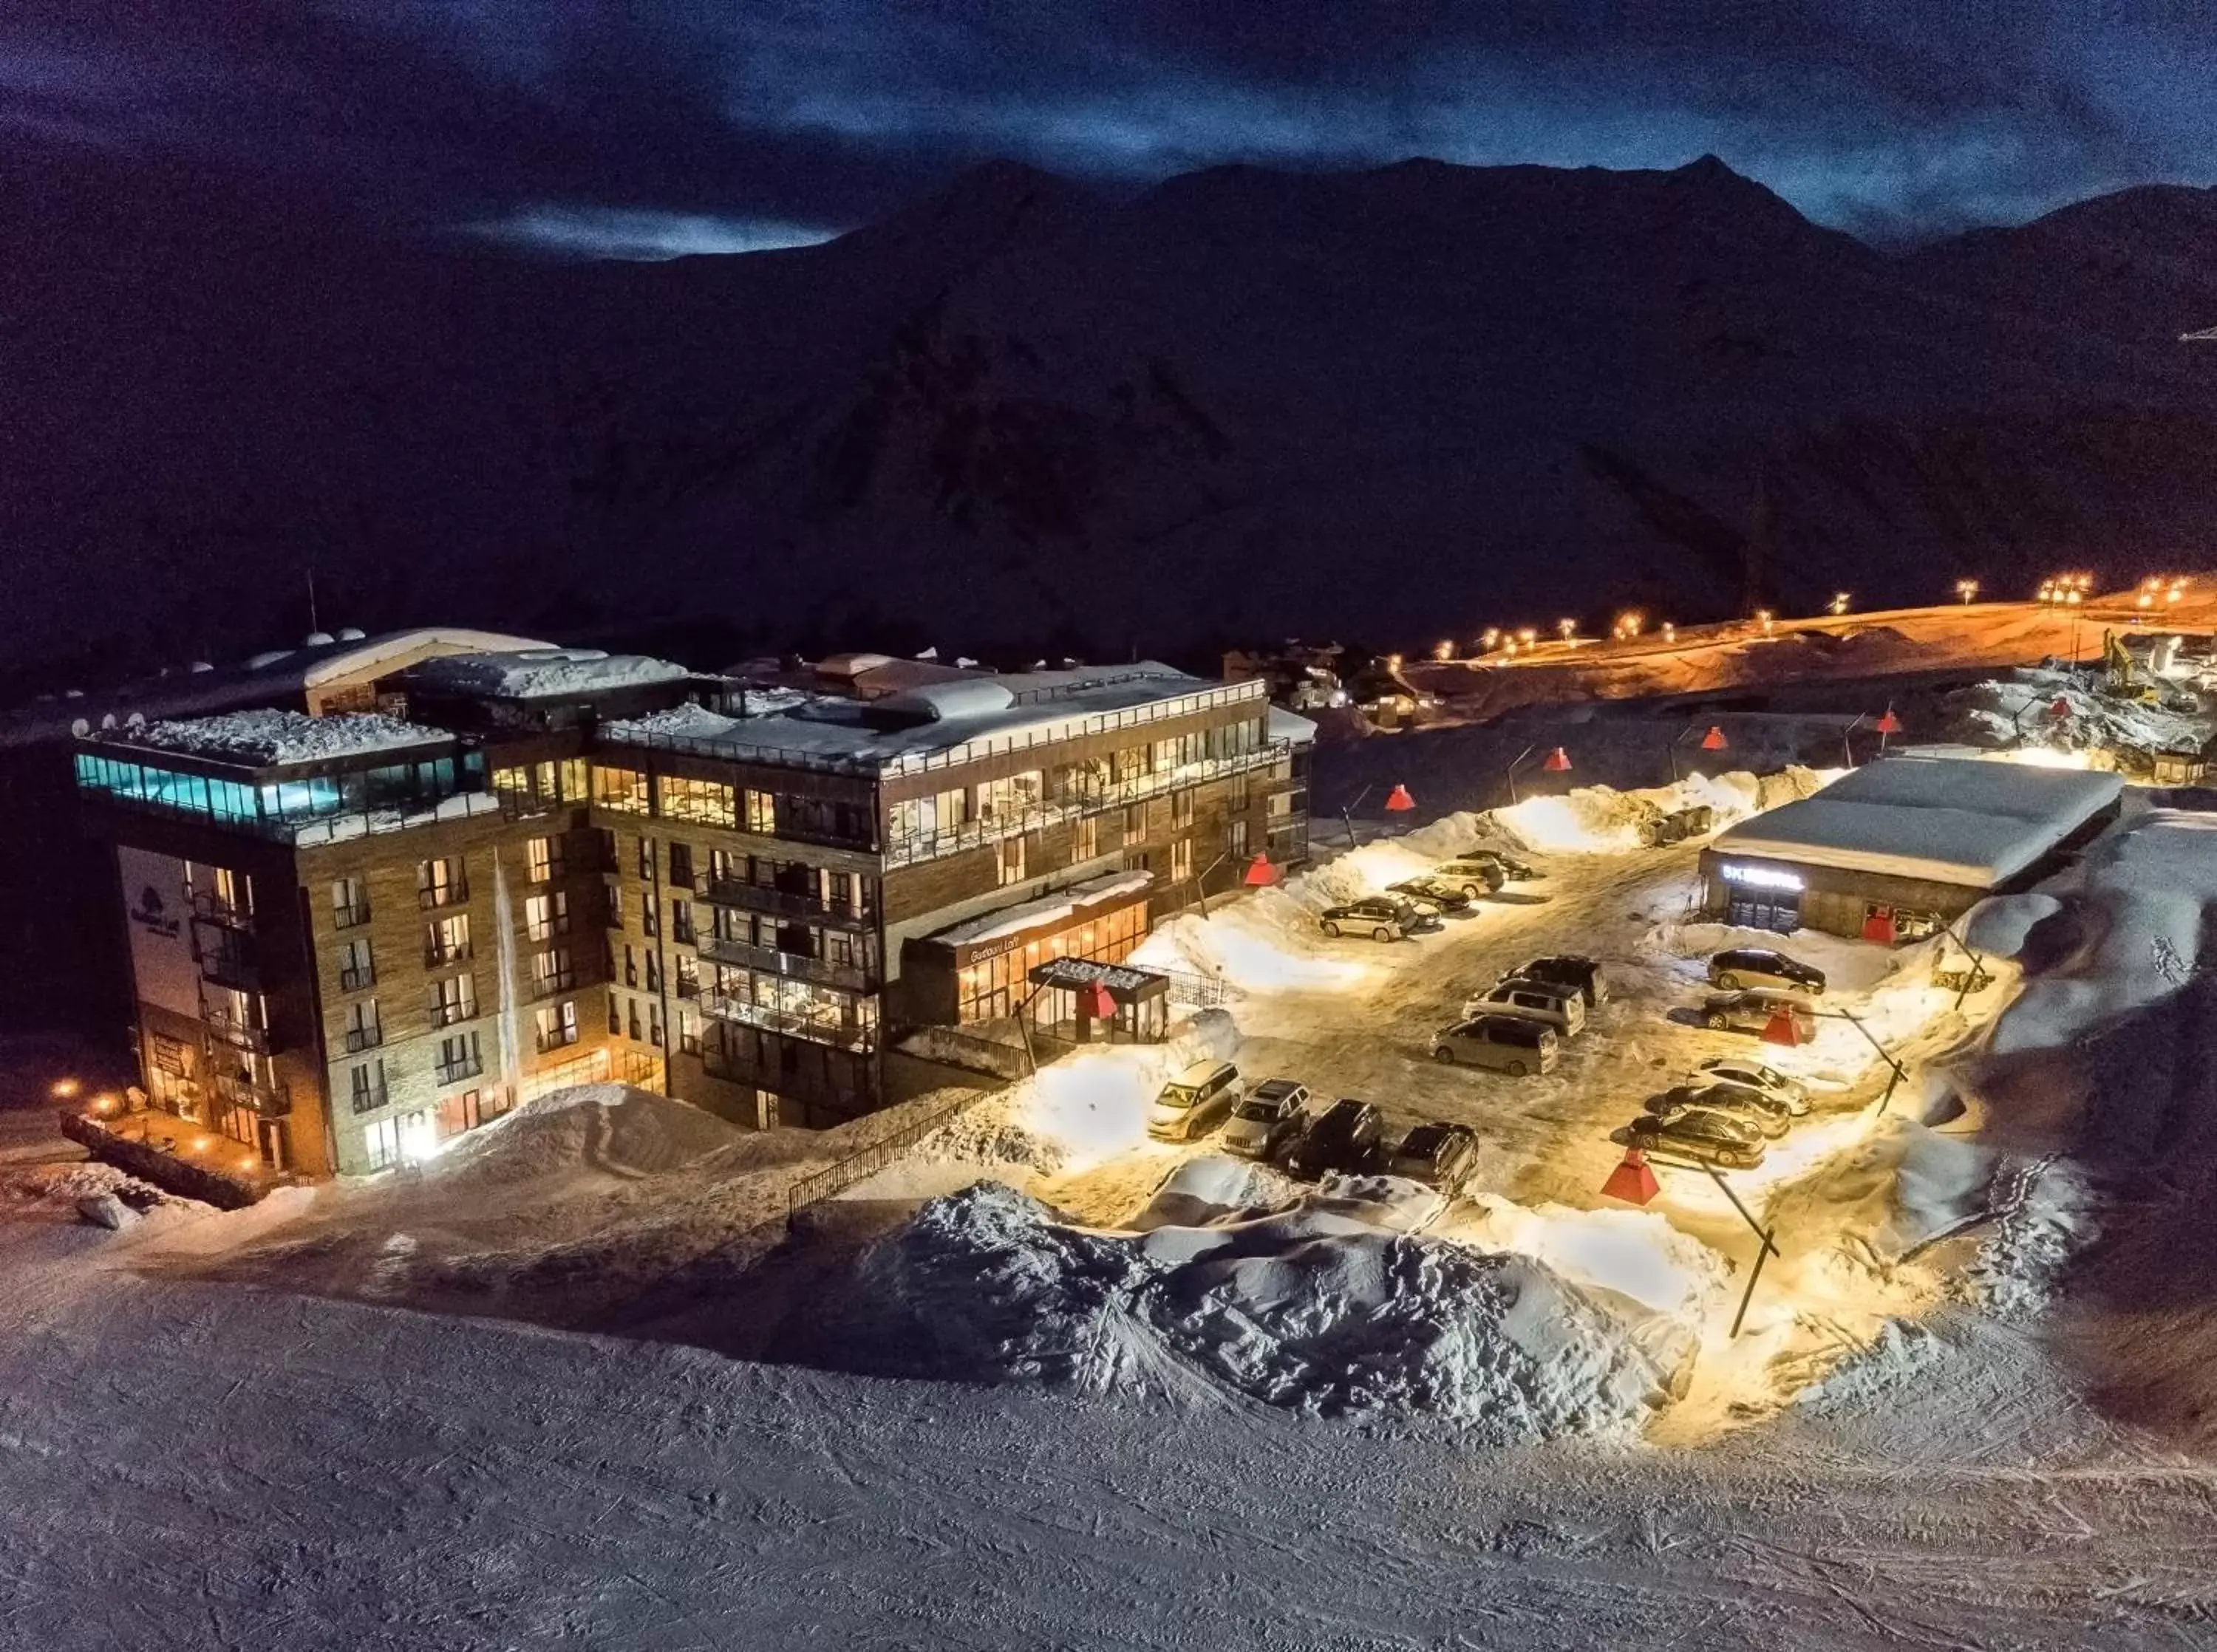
624	790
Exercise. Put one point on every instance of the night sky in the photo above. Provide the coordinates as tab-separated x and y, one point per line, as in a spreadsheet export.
653	125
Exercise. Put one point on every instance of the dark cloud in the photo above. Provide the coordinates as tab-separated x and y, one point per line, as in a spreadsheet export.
1887	119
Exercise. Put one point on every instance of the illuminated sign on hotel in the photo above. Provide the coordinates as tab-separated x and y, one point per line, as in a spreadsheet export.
1760	878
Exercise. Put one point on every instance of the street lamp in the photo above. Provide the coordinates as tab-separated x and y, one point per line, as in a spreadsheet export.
1567	629
1443	651
1966	588
1839	603
1628	623
1763	618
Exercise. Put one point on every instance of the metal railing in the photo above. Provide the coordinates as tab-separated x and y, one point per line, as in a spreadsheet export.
217	909
436	956
359	1039
560	1039
234	1030
549	986
840	1035
453	1014
270	1100
798	965
358	980
350	917
779	902
456	893
1117	794
865	1162
227	968
369	1099
452	1072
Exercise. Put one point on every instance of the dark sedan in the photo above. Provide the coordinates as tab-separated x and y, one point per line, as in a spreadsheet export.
1344	1136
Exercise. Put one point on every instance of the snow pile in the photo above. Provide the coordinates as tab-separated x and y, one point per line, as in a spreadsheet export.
1214	1188
1601	819
1268	942
545	673
686	722
1635	1254
610	1129
1320	1313
265	737
2046	1217
1848	965
2016	713
88	1178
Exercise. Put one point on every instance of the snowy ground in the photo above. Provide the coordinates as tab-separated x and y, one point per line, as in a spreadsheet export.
246	1431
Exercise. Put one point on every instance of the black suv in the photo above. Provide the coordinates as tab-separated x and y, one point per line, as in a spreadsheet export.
1566	970
1344	1137
1438	1155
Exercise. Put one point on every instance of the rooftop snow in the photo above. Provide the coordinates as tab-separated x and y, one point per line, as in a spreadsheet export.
1944	820
267	738
1027	707
544	673
1015	919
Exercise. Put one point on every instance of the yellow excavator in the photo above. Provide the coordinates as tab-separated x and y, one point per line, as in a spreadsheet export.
2123	679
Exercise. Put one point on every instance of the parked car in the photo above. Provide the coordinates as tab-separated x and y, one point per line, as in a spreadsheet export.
1751	1011
1473	877
1695	820
1194	1102
1766	1113
1758	966
1438	1155
1378	917
1344	1136
1269	1117
1515	1044
1567	970
1738	1070
1558	1005
1428	890
1696	1133
1513	869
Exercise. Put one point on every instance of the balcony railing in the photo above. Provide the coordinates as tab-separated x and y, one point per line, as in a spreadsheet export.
234	1030
436	956
445	1014
843	1035
220	909
359	1039
358	980
369	1099
350	918
270	1100
689	987
437	895
548	986
560	1037
910	848
796	965
760	897
228	968
547	928
454	1072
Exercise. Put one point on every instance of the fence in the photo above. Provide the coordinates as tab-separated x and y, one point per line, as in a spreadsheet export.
865	1162
1200	992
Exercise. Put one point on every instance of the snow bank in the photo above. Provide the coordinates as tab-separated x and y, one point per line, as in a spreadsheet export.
2014	713
1093	1105
1214	1188
1601	819
1319	1313
1636	1255
609	1128
265	737
547	673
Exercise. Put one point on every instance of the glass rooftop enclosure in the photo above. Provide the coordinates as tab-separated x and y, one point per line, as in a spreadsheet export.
305	801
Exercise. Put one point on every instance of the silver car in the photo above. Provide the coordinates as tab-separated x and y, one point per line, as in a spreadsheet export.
1560	1006
1194	1102
1515	1044
1754	1075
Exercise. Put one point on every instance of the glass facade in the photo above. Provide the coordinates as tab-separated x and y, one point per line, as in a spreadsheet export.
993	987
278	803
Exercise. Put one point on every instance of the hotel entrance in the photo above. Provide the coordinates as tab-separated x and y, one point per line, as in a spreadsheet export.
1069	996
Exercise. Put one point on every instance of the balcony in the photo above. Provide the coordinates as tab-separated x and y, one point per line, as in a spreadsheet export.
217	908
547	929
436	956
369	1099
270	1100
361	980
359	1039
453	1014
234	1030
438	895
798	966
230	966
350	918
454	1072
840	1035
758	898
